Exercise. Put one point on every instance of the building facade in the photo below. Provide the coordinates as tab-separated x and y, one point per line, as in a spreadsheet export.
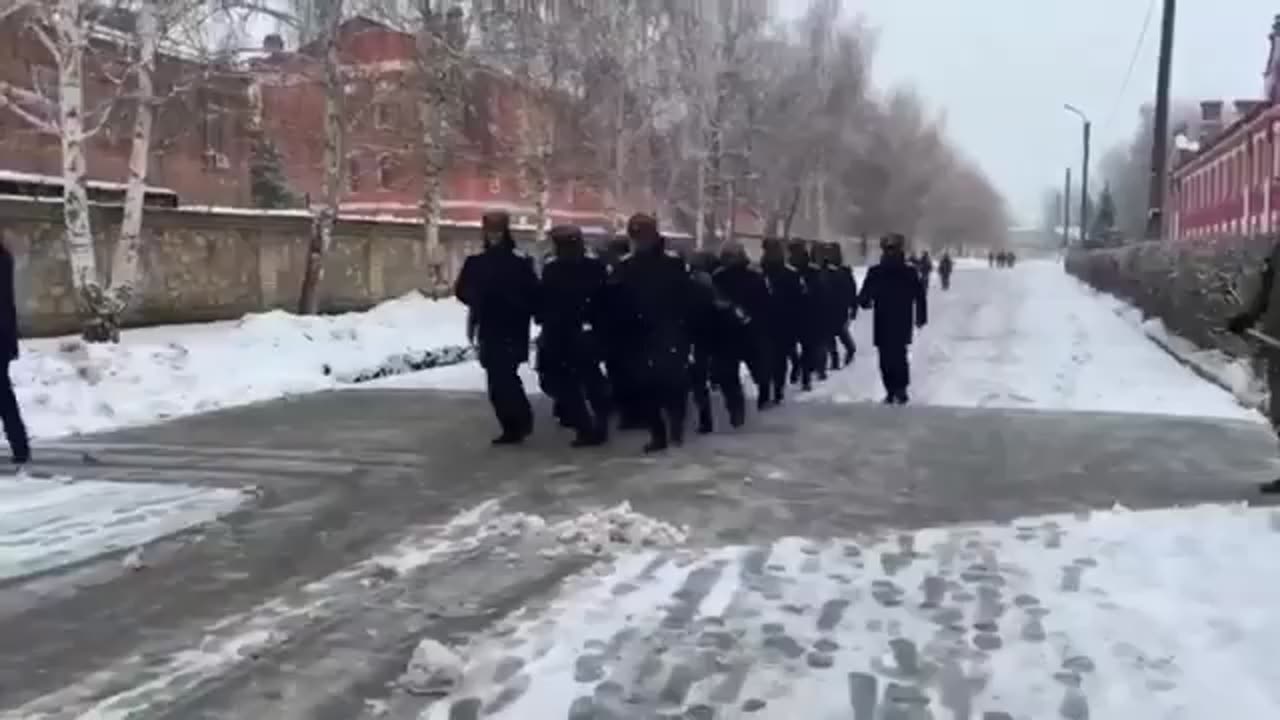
1230	183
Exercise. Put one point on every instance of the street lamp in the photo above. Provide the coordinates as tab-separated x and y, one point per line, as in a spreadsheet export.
1084	171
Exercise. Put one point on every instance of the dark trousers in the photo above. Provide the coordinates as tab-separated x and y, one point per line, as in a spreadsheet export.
583	396
781	365
622	385
895	371
946	280
814	359
15	431
842	339
722	368
506	394
662	394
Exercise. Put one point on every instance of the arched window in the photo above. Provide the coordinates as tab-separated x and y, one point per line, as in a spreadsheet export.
386	171
353	174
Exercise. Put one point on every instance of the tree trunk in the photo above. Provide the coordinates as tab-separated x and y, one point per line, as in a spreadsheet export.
700	221
124	266
824	230
790	215
92	300
324	217
433	172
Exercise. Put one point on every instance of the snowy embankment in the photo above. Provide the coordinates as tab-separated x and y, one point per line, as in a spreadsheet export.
1233	374
68	387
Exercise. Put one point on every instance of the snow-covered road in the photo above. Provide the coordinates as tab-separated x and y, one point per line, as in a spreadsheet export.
1034	337
832	592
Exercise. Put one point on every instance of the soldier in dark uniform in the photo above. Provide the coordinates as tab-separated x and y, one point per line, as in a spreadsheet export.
650	296
745	288
814	327
615	346
785	313
844	304
710	332
893	289
570	308
1263	307
15	431
500	288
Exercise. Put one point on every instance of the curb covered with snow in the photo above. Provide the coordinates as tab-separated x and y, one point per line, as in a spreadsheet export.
1230	373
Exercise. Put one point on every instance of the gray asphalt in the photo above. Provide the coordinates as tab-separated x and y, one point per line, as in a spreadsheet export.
345	474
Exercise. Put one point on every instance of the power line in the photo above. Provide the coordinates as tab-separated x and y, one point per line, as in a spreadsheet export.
1133	63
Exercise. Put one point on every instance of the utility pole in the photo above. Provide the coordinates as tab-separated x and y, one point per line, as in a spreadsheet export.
1066	209
1084	184
1159	150
1084	168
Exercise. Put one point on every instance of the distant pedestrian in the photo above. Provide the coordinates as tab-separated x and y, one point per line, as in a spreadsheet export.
15	431
945	266
844	305
500	288
926	269
814	328
894	291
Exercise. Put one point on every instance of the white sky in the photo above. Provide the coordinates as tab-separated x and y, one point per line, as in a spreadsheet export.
1001	70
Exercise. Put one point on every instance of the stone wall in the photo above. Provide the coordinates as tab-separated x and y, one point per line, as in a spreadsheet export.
199	265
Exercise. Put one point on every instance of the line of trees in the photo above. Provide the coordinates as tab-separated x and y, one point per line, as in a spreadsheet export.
698	108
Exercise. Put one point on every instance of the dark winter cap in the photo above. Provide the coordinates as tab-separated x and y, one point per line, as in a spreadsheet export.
641	225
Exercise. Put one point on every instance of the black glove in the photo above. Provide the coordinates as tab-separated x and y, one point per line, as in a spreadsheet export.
1240	323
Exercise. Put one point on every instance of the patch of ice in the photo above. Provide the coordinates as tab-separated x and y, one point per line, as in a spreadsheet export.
46	524
433	670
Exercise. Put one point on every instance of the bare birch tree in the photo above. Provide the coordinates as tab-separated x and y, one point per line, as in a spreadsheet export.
324	215
64	28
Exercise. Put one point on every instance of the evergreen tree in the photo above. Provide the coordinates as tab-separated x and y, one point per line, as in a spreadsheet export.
267	182
1104	220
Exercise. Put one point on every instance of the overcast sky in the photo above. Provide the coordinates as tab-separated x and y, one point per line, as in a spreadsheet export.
1001	69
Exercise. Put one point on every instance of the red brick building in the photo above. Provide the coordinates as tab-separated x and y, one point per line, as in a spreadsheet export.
383	153
200	145
205	134
1230	184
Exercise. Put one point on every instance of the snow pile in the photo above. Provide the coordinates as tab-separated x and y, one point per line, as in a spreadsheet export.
67	387
606	531
1231	373
433	670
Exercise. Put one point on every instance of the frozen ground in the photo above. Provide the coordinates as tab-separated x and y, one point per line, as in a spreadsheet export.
50	523
1110	615
67	387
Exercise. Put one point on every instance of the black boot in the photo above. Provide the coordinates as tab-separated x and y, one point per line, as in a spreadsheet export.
509	438
1271	488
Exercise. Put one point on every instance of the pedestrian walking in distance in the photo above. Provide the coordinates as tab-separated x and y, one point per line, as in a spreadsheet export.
894	291
500	289
945	266
15	431
1264	307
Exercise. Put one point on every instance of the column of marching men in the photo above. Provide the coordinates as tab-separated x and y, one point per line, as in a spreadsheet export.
635	334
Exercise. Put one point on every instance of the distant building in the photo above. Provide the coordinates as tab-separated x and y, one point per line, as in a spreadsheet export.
1227	180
